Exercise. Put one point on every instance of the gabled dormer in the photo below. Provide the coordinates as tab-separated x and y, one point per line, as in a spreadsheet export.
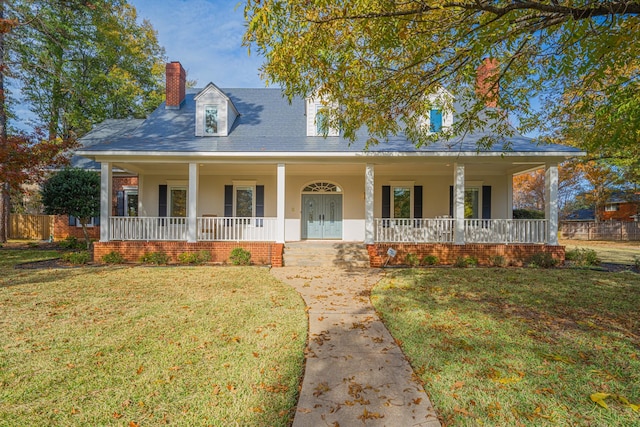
215	112
316	110
440	116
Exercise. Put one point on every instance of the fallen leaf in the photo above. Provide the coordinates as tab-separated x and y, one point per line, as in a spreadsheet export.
74	411
457	385
255	354
140	369
599	399
417	401
257	410
116	415
133	424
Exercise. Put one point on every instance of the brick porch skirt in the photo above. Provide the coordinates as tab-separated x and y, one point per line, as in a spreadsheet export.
262	253
448	253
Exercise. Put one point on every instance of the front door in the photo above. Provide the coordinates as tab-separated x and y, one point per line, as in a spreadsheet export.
322	216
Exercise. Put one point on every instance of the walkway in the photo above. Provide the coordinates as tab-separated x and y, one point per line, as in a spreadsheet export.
355	373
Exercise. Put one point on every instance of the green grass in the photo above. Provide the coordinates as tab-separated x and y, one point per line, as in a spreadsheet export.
613	252
506	347
147	345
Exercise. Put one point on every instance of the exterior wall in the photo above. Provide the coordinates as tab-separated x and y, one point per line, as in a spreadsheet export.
62	229
624	213
447	253
262	253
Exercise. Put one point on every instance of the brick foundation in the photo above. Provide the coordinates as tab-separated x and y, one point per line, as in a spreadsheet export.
262	253
448	253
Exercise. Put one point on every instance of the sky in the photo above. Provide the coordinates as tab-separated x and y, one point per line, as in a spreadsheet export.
205	36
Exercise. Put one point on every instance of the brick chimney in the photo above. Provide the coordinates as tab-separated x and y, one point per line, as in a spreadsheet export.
176	79
486	85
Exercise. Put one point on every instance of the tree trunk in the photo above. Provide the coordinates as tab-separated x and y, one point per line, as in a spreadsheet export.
5	200
85	231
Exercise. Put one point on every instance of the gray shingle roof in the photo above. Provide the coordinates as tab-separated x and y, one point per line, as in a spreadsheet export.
267	123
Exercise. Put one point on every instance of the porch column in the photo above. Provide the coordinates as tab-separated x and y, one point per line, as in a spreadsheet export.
368	204
551	203
458	203
192	211
106	181
510	196
280	199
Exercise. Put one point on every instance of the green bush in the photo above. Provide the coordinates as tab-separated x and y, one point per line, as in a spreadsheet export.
542	260
582	257
113	257
71	242
157	258
497	261
463	262
412	260
240	256
80	257
527	214
430	260
194	257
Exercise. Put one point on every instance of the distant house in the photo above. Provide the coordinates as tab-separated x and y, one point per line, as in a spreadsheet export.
621	207
219	168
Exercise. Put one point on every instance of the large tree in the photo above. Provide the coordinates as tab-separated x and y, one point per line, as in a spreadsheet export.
376	59
76	63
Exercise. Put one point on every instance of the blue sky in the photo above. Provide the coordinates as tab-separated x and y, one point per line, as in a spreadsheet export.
206	37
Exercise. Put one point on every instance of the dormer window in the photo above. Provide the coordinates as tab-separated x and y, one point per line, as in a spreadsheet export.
318	119
211	120
435	120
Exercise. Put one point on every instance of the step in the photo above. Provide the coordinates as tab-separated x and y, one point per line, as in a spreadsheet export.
326	254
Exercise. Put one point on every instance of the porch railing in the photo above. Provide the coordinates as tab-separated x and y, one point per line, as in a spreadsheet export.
441	230
208	228
237	229
424	230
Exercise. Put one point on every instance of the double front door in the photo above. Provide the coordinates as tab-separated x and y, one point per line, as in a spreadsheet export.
322	216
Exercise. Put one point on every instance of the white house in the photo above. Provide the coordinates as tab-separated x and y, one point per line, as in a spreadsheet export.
219	168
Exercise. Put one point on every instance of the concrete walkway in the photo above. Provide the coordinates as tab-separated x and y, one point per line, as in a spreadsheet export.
355	373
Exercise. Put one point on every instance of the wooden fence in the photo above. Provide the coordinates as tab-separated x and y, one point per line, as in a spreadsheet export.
24	226
605	230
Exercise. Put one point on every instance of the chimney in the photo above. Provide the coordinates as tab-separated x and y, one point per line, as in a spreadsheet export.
176	79
487	86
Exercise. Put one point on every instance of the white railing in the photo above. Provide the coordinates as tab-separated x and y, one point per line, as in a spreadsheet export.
147	228
441	230
237	229
208	229
505	231
419	230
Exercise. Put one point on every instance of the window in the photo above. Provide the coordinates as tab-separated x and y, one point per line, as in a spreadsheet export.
244	201
471	202
178	202
611	207
211	120
402	202
131	202
322	125
435	120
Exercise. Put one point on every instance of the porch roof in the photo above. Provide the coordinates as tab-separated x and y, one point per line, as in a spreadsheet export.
270	124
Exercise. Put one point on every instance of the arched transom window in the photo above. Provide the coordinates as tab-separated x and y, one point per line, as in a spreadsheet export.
322	187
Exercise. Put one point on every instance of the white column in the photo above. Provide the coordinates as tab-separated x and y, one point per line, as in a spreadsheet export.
106	182
458	203
551	203
509	196
280	200
368	204
192	211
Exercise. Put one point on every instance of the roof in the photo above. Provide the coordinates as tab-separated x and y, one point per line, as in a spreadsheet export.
268	122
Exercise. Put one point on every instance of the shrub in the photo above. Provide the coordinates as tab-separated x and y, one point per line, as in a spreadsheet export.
527	214
497	261
542	260
463	262
412	260
113	257
80	257
71	242
157	258
240	256
582	257
194	257
430	260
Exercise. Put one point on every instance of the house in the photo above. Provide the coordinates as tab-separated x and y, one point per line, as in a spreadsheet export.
223	168
620	207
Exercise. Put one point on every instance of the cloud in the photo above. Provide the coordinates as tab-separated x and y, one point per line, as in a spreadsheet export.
206	37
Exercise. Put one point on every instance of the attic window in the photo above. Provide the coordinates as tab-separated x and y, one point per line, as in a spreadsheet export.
211	120
435	120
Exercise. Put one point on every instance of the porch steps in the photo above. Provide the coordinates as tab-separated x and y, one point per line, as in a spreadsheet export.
314	253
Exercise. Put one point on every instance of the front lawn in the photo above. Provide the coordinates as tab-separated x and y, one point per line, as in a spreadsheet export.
507	347
147	346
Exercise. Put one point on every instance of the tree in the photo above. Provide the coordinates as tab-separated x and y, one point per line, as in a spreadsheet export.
529	188
78	63
603	181
74	192
377	60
